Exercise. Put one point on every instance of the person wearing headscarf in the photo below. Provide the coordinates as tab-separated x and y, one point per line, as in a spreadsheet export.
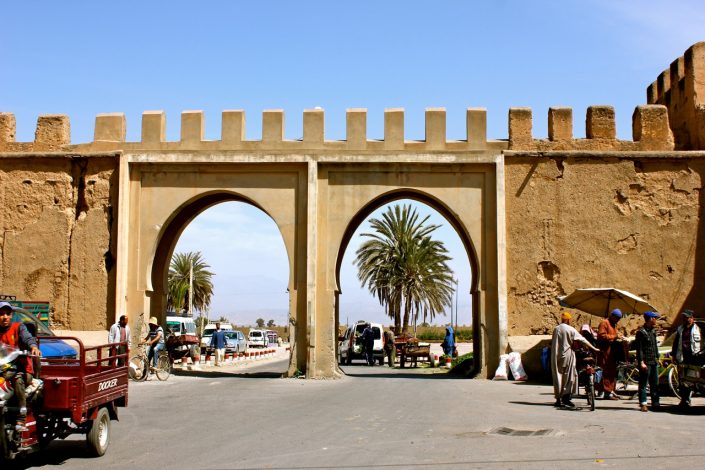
607	337
448	344
563	368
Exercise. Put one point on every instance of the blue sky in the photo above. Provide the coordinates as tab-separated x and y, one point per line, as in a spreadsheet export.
83	58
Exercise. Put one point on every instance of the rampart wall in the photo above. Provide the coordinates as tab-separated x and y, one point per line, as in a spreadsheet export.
580	212
681	88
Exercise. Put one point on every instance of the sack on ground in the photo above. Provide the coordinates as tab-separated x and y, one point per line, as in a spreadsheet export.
515	366
501	372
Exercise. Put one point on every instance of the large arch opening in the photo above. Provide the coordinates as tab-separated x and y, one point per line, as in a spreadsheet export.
245	251
360	305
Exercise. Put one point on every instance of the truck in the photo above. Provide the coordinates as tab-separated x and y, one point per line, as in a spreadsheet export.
78	395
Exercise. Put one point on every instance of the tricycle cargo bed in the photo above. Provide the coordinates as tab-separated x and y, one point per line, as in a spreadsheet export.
79	386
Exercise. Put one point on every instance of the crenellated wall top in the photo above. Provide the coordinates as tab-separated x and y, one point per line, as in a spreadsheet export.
650	132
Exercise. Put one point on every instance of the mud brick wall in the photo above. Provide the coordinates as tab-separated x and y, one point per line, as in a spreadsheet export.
598	220
57	235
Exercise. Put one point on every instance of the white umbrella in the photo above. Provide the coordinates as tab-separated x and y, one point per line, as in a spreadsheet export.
600	301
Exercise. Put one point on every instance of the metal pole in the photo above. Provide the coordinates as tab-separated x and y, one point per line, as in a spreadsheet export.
456	305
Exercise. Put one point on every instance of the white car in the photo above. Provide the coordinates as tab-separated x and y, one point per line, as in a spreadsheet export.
208	334
350	347
257	338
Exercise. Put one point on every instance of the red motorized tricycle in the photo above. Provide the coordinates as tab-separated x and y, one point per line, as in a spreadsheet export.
73	394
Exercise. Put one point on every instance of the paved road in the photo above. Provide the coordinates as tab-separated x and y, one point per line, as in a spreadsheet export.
376	417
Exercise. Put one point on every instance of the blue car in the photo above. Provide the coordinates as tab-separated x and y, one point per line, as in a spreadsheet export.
50	348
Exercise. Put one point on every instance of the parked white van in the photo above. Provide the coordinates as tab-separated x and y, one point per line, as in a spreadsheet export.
350	347
257	338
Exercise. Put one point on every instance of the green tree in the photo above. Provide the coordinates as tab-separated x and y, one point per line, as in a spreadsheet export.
404	268
270	323
178	282
260	322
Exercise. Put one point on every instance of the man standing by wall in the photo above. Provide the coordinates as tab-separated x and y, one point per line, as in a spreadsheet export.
647	359
686	344
120	333
218	343
563	368
607	337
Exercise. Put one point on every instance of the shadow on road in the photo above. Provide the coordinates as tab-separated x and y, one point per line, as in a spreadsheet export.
57	453
236	373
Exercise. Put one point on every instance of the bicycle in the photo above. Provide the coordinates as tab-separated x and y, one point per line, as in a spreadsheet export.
139	365
628	374
586	375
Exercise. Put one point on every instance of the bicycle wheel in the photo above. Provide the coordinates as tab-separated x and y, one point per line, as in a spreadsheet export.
590	391
673	382
137	368
163	367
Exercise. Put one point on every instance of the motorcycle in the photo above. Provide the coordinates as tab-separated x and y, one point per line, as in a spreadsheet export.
12	437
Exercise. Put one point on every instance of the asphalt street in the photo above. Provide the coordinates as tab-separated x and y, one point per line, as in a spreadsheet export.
376	417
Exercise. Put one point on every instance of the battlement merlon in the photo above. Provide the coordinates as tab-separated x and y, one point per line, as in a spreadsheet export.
650	130
681	88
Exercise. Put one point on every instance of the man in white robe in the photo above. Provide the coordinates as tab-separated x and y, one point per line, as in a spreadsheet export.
563	369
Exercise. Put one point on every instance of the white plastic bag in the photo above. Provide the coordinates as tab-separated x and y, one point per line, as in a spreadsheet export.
501	372
515	366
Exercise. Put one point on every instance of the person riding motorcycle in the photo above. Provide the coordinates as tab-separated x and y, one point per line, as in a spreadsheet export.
17	335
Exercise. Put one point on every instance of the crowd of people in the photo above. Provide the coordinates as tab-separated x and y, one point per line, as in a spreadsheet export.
610	347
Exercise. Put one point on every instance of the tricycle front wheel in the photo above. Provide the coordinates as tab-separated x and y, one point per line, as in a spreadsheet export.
98	436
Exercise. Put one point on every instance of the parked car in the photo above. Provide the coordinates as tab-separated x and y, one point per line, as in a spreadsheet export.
350	345
208	334
235	341
50	348
257	338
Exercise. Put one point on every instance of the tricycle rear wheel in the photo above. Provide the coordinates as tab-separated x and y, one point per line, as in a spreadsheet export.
98	437
138	368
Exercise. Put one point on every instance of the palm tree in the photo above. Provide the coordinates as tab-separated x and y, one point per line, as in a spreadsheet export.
178	282
402	266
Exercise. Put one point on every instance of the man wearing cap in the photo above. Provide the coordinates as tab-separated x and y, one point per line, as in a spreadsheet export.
563	368
686	344
647	360
607	335
17	336
155	341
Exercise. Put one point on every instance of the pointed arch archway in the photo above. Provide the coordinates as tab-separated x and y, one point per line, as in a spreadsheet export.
449	216
165	200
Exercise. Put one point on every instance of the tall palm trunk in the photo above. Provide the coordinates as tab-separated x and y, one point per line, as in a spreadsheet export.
407	313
